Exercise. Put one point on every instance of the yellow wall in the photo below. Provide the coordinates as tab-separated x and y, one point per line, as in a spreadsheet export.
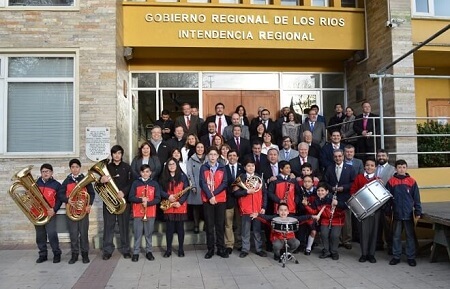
423	28
428	89
432	177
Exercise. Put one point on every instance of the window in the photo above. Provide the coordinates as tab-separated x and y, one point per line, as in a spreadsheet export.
41	2
259	2
289	3
39	98
323	3
433	8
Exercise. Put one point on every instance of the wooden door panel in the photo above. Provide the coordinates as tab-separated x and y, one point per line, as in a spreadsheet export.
230	98
269	99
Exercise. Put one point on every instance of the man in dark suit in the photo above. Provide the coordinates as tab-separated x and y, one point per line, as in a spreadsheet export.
190	123
314	148
326	155
219	119
259	158
339	176
365	128
302	158
207	139
241	145
158	146
316	127
178	141
232	214
336	119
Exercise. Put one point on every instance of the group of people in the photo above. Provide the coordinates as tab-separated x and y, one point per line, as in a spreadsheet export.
239	175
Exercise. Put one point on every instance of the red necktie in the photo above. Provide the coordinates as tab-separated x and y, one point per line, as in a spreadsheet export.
219	126
188	122
365	123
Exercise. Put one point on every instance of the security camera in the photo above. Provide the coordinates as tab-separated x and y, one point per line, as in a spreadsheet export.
391	24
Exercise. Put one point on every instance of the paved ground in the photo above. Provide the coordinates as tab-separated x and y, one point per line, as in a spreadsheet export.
19	270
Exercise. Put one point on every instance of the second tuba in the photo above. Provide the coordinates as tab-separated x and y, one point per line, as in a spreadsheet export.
30	201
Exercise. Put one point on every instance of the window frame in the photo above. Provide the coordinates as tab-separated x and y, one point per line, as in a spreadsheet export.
5	80
430	13
4	4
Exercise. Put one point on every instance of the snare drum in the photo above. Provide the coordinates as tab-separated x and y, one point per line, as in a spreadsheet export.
287	224
368	199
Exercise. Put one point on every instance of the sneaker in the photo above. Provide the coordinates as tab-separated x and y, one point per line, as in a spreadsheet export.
149	256
394	261
57	258
41	259
412	262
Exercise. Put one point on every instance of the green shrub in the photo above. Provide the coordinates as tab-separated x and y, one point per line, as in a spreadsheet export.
433	144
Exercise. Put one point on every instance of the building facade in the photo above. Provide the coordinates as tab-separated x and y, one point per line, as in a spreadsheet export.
70	68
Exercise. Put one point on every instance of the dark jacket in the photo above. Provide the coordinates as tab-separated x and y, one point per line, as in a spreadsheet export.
69	184
122	176
406	195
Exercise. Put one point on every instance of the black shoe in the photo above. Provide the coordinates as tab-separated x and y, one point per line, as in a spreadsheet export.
243	255
167	254
57	258
41	259
127	255
239	249
73	259
85	258
412	262
229	250
276	257
307	252
394	261
149	256
106	256
209	254
335	256
371	259
362	259
348	246
325	255
222	253
180	253
196	230
135	258
261	254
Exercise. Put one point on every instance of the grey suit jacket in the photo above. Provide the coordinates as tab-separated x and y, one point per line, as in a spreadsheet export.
358	166
292	154
228	132
387	172
319	132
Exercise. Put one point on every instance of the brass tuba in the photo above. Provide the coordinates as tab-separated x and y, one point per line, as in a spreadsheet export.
31	202
253	182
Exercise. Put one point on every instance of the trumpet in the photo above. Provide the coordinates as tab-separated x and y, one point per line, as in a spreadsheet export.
31	202
166	204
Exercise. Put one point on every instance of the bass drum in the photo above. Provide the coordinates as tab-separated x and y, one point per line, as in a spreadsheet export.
285	225
368	199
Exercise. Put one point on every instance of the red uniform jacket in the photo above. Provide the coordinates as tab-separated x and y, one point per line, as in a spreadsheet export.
213	184
250	203
149	189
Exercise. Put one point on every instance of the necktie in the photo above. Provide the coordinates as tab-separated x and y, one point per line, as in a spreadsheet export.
365	122
265	123
212	140
274	171
188	122
237	143
303	160
312	126
380	169
338	173
257	163
233	172
219	126
286	155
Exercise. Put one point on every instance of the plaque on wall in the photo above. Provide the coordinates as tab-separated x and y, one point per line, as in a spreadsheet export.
97	143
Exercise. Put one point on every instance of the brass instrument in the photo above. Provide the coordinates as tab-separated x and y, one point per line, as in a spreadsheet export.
253	182
31	202
166	204
144	207
108	192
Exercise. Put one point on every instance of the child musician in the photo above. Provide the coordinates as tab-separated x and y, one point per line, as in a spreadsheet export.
310	228
49	188
174	182
368	227
78	230
145	194
406	209
277	238
307	171
331	220
251	200
284	189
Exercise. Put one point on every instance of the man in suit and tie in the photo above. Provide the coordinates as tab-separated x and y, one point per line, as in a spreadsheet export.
241	145
315	127
349	159
228	131
220	119
232	214
384	172
287	153
340	176
190	123
364	127
302	158
326	155
314	149
207	139
259	158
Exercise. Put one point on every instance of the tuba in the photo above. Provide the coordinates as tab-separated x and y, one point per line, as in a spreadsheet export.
108	192
31	202
254	182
